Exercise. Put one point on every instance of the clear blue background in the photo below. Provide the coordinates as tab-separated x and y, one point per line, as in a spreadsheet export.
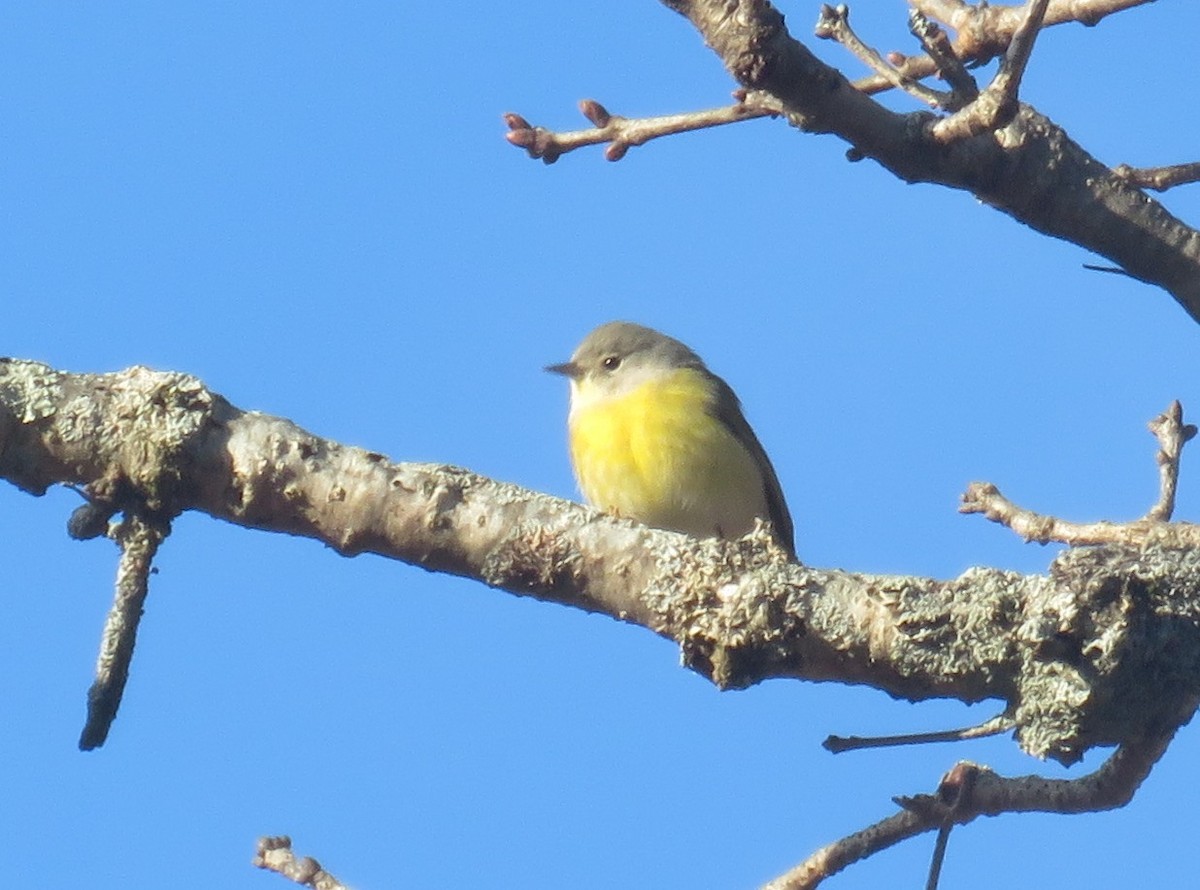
311	207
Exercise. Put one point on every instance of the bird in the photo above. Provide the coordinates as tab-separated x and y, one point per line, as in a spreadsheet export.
657	437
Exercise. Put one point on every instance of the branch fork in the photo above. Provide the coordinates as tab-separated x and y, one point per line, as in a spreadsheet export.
1172	434
973	112
969	790
985	31
998	103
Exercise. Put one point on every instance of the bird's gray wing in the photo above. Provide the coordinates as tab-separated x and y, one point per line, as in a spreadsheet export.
728	410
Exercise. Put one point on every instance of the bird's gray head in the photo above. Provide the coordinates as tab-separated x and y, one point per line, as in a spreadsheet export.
618	356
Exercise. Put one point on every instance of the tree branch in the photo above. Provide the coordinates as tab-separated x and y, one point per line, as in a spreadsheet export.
1029	168
1004	153
1069	653
739	612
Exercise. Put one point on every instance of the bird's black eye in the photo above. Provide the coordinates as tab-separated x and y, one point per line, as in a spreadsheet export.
611	362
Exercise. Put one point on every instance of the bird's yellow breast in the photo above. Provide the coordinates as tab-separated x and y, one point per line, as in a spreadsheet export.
659	454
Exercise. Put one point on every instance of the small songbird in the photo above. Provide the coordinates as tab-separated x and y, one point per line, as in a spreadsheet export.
657	437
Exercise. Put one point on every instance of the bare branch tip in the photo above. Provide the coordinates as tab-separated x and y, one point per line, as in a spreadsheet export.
516	122
1172	434
521	138
538	142
1111	270
836	744
974	499
595	112
829	20
275	854
920	25
924	806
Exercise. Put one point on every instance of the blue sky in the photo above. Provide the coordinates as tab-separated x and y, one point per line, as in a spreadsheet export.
312	208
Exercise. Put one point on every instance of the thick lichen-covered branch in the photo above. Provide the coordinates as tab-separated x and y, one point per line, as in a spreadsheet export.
1068	654
1055	649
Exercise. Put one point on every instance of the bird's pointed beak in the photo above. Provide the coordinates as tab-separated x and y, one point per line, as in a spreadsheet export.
567	369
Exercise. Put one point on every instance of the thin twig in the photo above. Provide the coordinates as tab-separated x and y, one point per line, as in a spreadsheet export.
998	103
1109	270
621	133
1172	433
989	21
831	859
275	854
985	498
139	539
938	47
833	23
1020	48
1111	786
939	855
983	32
1159	178
996	725
955	790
